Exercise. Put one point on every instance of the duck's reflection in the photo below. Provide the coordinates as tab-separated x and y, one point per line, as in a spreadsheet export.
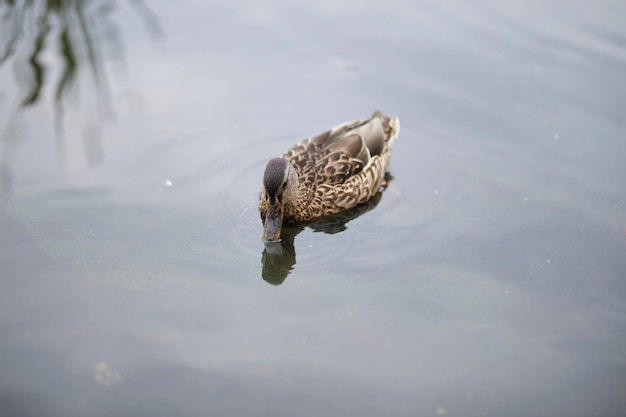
279	258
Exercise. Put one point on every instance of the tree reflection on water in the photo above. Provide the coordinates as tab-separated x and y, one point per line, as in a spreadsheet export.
48	46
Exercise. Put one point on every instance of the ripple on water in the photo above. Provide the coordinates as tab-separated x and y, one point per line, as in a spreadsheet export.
371	234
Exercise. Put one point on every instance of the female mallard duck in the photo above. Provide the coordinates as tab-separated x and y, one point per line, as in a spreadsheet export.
326	174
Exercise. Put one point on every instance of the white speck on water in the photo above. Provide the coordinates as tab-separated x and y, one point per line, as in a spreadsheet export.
506	291
556	136
436	191
168	183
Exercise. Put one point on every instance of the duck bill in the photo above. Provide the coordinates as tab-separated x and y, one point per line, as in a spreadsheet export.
273	223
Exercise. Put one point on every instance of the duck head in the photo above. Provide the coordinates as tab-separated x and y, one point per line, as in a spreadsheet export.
280	190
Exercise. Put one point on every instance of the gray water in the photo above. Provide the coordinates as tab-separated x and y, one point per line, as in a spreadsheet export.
488	279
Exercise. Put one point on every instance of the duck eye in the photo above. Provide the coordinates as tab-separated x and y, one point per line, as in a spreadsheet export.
285	184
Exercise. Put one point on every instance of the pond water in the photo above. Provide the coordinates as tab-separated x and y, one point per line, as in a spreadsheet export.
488	279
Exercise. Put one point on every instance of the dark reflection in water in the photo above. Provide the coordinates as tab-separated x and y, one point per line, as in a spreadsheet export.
279	258
74	33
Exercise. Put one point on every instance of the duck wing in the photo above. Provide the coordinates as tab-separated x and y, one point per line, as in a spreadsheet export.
337	154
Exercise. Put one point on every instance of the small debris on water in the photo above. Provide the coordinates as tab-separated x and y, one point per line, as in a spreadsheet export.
556	136
105	375
168	183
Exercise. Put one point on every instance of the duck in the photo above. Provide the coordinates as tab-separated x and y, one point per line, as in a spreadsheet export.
327	174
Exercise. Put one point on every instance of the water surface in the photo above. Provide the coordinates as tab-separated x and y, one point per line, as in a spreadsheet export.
488	279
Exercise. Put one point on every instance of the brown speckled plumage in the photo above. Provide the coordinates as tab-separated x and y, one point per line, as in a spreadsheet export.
336	170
